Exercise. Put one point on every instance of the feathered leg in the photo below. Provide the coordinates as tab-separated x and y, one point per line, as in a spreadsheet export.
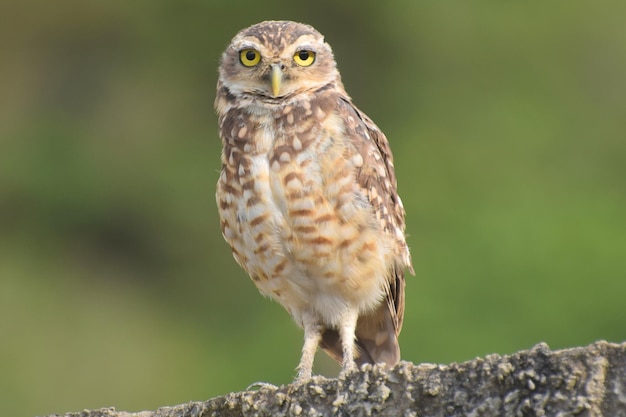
347	328
312	337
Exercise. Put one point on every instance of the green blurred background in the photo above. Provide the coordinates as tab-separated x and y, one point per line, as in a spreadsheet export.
508	124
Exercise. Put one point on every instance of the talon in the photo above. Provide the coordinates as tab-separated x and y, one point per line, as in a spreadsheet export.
260	386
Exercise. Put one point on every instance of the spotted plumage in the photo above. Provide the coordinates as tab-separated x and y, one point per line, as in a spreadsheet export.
307	195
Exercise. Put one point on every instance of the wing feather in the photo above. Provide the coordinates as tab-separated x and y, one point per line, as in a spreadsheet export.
377	331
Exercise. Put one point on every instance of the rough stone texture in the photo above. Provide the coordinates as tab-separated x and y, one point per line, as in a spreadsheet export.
589	381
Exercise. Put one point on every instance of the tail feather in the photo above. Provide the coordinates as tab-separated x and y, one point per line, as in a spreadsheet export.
376	339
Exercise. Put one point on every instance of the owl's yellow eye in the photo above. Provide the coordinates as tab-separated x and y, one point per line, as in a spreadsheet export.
249	57
304	58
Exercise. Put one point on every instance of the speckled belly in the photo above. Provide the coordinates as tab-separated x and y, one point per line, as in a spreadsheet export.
305	235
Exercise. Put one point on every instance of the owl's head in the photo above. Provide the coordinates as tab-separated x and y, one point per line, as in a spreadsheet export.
277	59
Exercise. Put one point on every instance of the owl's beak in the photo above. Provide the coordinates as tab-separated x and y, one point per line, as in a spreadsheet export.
277	79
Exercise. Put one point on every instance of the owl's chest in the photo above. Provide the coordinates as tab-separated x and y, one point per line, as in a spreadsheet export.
294	217
278	167
278	188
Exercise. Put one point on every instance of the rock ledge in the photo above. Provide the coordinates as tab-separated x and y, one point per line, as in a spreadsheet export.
588	381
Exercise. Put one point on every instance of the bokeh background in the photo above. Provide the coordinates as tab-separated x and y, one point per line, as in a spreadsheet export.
508	124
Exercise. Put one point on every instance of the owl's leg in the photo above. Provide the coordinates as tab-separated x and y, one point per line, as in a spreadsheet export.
347	329
312	337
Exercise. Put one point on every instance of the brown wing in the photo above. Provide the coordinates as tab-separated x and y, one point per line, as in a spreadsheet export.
376	332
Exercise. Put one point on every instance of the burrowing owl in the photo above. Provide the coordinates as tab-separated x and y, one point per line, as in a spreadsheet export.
307	195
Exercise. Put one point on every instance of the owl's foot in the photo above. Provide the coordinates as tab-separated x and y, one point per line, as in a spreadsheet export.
255	386
345	372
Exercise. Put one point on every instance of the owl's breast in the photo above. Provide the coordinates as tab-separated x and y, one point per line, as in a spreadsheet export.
297	222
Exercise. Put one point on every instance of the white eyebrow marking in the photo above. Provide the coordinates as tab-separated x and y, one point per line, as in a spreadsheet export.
248	45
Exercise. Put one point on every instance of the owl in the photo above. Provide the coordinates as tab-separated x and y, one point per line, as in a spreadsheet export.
307	195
